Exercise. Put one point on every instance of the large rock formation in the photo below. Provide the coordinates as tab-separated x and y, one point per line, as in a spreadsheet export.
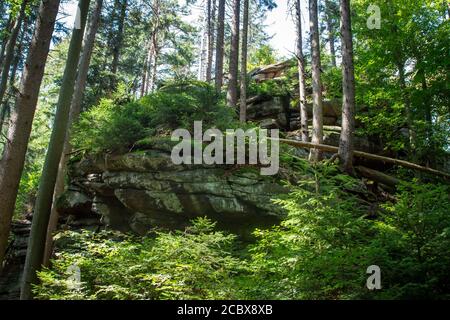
143	190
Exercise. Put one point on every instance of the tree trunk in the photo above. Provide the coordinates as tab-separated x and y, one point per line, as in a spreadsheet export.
5	42
36	244
220	45
407	102
243	102
301	75
118	41
13	158
348	86
330	27
317	129
75	110
10	48
5	107
211	16
234	56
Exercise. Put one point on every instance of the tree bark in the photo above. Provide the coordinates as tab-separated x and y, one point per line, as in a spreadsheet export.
211	16
243	97
234	56
118	41
10	48
317	129
301	75
5	41
348	85
36	244
75	110
5	107
220	45
330	27
13	158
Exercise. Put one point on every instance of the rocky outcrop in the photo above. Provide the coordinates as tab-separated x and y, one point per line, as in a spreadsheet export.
276	112
144	190
14	260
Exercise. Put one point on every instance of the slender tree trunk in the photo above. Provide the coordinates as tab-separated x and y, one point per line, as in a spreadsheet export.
301	75
75	110
220	45
330	27
243	102
211	17
10	48
234	56
152	83
118	41
407	102
36	244
346	147
317	130
144	73
203	51
5	42
12	162
5	107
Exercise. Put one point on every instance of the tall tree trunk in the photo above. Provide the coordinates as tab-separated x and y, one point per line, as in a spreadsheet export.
118	41
145	72
75	110
243	102
203	50
317	129
12	162
220	45
301	75
5	41
10	48
211	17
5	107
36	244
346	147
330	27
234	56
407	102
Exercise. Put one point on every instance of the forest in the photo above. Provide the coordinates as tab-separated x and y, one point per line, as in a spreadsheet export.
357	104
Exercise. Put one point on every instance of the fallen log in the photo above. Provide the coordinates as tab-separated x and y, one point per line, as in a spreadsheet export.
365	155
377	176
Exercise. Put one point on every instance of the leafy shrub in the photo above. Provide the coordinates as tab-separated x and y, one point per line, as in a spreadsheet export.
116	127
195	264
323	249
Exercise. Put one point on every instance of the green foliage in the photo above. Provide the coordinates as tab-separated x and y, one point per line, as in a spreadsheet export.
323	249
116	127
269	88
195	264
320	251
